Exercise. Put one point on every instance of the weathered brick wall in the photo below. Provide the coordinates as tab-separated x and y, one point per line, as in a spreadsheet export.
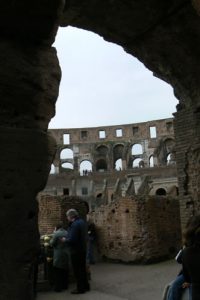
52	210
187	132
138	229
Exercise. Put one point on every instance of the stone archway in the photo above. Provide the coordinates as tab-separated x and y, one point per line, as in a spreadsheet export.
164	35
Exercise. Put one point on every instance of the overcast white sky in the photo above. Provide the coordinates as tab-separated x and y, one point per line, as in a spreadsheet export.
103	85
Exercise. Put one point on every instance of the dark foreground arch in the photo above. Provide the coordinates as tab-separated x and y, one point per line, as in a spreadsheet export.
164	35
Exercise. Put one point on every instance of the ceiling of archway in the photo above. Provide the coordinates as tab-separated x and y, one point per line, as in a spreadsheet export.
164	35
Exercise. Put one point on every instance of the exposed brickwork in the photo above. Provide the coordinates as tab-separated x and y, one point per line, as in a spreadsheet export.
52	210
138	229
187	130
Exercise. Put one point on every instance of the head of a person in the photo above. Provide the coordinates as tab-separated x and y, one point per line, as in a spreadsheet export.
192	231
72	214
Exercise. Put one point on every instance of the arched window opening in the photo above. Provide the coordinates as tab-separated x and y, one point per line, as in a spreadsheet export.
53	169
151	161
169	157
101	165
67	166
66	154
136	162
118	164
85	167
161	192
137	149
102	150
118	151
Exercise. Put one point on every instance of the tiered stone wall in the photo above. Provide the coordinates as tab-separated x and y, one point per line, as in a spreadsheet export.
52	210
138	229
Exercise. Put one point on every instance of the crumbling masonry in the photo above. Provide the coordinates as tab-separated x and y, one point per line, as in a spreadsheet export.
164	35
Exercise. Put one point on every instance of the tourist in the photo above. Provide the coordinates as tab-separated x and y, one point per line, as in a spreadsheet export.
179	285
191	256
60	258
77	240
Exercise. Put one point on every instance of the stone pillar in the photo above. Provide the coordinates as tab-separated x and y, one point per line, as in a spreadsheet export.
187	132
29	82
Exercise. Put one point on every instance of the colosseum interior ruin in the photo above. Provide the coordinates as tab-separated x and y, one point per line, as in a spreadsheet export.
164	35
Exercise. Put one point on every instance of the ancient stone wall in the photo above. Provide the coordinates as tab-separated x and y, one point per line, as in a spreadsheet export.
124	160
52	210
137	145
138	229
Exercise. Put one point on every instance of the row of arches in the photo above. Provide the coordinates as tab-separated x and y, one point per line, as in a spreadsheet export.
136	149
86	166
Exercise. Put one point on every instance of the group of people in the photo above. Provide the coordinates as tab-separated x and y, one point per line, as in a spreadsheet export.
76	243
189	258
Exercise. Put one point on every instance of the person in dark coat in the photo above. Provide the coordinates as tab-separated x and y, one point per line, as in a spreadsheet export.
77	240
60	258
191	256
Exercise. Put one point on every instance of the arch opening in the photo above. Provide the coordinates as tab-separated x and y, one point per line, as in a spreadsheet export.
66	154
118	165
137	149
101	165
85	167
137	163
67	166
161	192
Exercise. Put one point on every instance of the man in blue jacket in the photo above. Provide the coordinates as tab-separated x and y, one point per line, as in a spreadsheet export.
77	240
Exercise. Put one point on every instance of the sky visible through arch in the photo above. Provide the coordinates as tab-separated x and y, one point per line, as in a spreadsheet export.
103	85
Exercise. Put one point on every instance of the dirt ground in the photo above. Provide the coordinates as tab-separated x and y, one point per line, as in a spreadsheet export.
120	282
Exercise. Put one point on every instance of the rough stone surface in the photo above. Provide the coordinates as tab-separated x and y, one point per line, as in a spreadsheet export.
23	173
29	81
30	77
138	229
52	210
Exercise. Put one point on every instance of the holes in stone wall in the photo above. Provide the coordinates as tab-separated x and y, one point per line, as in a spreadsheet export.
153	132
136	162
84	134
101	165
102	150
136	149
151	161
168	159
102	134
66	139
85	167
53	169
68	166
66	191
119	132
135	130
118	164
161	192
66	154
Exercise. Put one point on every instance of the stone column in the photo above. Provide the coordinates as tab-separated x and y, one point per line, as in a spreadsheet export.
187	131
29	82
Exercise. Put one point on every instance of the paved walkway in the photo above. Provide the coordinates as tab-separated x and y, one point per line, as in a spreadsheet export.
123	282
